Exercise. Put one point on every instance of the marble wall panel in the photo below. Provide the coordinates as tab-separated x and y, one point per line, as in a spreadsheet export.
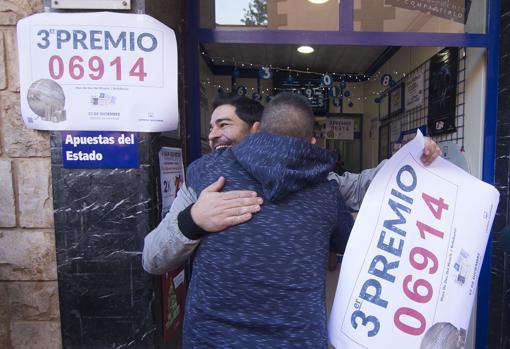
101	219
499	302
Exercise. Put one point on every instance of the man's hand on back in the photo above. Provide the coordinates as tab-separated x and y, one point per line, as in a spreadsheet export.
215	211
430	151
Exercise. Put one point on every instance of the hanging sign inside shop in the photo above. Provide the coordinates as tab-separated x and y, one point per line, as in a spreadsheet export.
241	91
412	262
97	71
386	79
414	90
265	73
256	96
342	129
334	91
327	80
454	10
92	149
171	173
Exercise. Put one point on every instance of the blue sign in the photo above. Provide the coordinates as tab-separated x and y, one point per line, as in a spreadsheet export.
335	91
95	149
386	80
327	80
265	73
241	91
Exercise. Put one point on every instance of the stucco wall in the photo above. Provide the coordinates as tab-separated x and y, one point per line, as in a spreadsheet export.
29	312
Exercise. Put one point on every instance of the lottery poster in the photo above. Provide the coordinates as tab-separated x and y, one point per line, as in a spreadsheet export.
97	72
411	267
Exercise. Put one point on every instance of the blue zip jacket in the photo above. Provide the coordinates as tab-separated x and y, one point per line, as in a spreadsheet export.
262	284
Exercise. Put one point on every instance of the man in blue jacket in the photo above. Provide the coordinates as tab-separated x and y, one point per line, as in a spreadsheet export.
261	284
197	214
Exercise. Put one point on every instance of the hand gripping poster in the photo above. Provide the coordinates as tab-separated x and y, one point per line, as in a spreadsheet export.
411	266
97	71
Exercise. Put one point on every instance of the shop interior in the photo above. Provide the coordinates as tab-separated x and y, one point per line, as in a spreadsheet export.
358	94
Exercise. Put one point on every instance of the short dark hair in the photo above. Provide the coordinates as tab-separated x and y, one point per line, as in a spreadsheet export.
288	114
248	110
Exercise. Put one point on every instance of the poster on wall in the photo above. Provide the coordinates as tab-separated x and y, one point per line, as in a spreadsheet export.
443	91
411	266
171	176
397	100
414	89
384	107
454	10
395	130
97	72
174	298
384	142
342	129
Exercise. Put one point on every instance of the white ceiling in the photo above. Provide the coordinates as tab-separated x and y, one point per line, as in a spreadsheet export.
325	58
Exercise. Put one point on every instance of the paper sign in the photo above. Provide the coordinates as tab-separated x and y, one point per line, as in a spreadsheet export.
454	10
340	129
411	266
97	72
414	90
172	175
179	279
89	149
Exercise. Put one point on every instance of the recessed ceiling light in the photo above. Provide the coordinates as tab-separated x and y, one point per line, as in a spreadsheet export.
318	1
305	49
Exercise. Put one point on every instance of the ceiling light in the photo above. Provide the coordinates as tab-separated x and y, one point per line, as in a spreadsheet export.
305	49
318	1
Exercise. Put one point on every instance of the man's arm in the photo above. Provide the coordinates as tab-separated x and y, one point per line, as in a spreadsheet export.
190	218
353	186
165	247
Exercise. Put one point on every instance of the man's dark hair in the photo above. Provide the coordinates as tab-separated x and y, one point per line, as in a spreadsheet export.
247	109
288	114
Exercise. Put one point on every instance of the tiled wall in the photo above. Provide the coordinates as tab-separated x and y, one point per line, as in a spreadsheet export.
29	313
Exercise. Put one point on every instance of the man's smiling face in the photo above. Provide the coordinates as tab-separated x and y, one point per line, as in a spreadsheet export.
226	128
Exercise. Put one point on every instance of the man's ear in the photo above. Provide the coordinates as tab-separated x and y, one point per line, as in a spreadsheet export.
255	127
313	140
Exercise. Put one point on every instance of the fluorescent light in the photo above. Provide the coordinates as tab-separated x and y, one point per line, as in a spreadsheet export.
318	1
305	49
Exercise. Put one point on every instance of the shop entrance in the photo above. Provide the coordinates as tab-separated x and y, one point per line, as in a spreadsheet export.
370	49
